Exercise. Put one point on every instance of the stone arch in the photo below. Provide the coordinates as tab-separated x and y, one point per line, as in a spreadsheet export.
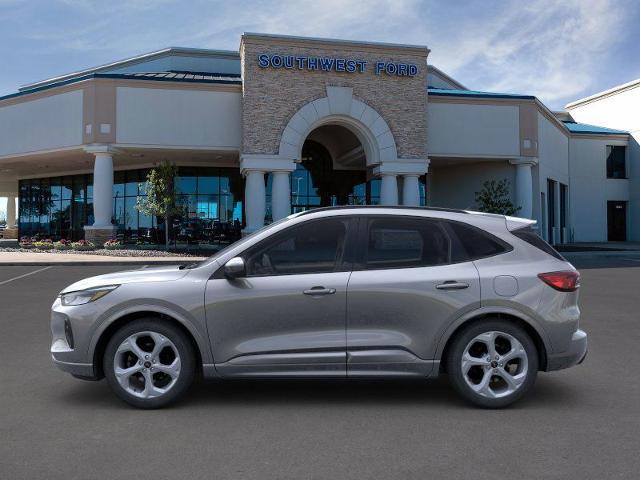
339	107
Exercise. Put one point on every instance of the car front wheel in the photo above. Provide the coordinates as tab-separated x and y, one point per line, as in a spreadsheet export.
149	363
492	363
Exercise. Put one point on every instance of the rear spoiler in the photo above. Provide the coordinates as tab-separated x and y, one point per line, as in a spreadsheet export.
512	223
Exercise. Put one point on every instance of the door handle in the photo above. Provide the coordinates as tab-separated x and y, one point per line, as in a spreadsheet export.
320	291
452	285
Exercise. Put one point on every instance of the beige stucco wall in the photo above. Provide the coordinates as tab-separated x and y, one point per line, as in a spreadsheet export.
45	123
619	110
272	96
178	117
473	129
590	189
455	186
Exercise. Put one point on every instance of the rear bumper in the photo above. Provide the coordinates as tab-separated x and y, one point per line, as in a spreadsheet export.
575	355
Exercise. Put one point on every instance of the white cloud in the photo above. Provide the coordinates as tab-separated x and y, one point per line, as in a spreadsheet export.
548	49
544	47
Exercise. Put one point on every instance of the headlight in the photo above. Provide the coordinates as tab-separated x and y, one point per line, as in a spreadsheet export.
85	296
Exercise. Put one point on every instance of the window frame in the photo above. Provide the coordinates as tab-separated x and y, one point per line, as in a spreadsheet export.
608	150
363	241
343	264
443	223
504	244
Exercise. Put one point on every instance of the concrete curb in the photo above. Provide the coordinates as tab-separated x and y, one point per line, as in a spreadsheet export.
94	264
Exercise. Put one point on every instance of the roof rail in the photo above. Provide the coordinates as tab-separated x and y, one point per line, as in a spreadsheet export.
395	207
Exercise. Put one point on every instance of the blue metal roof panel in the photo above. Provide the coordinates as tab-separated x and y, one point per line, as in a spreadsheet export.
444	92
227	79
585	128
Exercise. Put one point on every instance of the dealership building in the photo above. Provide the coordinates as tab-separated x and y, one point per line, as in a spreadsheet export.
290	123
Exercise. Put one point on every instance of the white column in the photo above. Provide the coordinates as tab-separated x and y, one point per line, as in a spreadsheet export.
410	190
280	195
524	187
255	200
103	190
389	189
11	211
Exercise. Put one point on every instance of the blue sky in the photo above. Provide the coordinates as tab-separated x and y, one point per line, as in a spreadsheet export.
557	50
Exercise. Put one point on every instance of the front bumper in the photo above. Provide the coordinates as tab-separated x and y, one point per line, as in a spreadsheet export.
69	350
575	355
79	370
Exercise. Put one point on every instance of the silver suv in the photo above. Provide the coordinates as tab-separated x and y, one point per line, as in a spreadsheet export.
335	292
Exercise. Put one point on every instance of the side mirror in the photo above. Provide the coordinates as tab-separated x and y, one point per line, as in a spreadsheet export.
235	268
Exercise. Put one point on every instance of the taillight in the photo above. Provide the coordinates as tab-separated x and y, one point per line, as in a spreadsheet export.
561	281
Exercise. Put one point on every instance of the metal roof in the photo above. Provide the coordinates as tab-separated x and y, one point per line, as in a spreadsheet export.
177	75
474	93
585	128
132	61
187	77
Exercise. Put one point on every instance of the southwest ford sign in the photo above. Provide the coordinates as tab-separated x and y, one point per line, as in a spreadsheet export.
334	64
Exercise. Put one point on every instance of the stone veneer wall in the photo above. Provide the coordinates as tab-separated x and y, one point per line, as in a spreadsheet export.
272	96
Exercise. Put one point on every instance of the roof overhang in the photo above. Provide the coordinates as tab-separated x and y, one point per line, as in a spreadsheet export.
606	93
145	57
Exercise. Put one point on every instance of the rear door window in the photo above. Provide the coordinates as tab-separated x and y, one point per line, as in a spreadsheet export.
405	242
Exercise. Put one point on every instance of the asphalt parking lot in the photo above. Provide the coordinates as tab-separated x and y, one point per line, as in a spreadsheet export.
582	423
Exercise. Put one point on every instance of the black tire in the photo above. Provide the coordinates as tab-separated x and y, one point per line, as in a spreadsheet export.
185	351
457	349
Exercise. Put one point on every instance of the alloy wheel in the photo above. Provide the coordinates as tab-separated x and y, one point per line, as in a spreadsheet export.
147	364
494	364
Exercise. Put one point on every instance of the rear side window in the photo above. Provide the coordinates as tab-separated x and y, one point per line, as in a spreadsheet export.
472	243
398	242
532	238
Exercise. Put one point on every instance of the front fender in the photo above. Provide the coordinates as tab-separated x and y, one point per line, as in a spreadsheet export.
153	306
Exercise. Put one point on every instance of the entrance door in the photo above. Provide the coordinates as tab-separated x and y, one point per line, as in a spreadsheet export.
617	221
287	316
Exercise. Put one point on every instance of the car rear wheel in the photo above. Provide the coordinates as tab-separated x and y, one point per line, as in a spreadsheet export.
149	363
492	363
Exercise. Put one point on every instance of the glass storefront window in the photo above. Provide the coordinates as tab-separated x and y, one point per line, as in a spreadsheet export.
60	207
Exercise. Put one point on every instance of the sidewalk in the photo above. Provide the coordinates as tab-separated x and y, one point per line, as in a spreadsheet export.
35	259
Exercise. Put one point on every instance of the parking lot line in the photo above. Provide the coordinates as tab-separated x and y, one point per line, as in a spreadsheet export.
25	275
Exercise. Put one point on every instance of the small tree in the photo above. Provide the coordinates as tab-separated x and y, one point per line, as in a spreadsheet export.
160	200
495	198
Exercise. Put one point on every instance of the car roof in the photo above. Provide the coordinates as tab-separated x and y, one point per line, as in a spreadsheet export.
481	219
381	207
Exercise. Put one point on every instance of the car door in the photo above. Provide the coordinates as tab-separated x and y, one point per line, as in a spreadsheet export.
404	290
287	316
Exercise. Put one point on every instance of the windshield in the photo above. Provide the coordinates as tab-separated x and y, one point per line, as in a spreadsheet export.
240	242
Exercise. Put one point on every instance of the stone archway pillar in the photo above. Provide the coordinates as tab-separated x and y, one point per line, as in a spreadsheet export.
280	195
410	170
411	190
255	200
254	167
389	189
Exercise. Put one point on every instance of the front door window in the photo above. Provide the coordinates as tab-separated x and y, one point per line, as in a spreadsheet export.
314	247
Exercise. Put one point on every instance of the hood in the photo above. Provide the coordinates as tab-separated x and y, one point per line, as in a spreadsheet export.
156	274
